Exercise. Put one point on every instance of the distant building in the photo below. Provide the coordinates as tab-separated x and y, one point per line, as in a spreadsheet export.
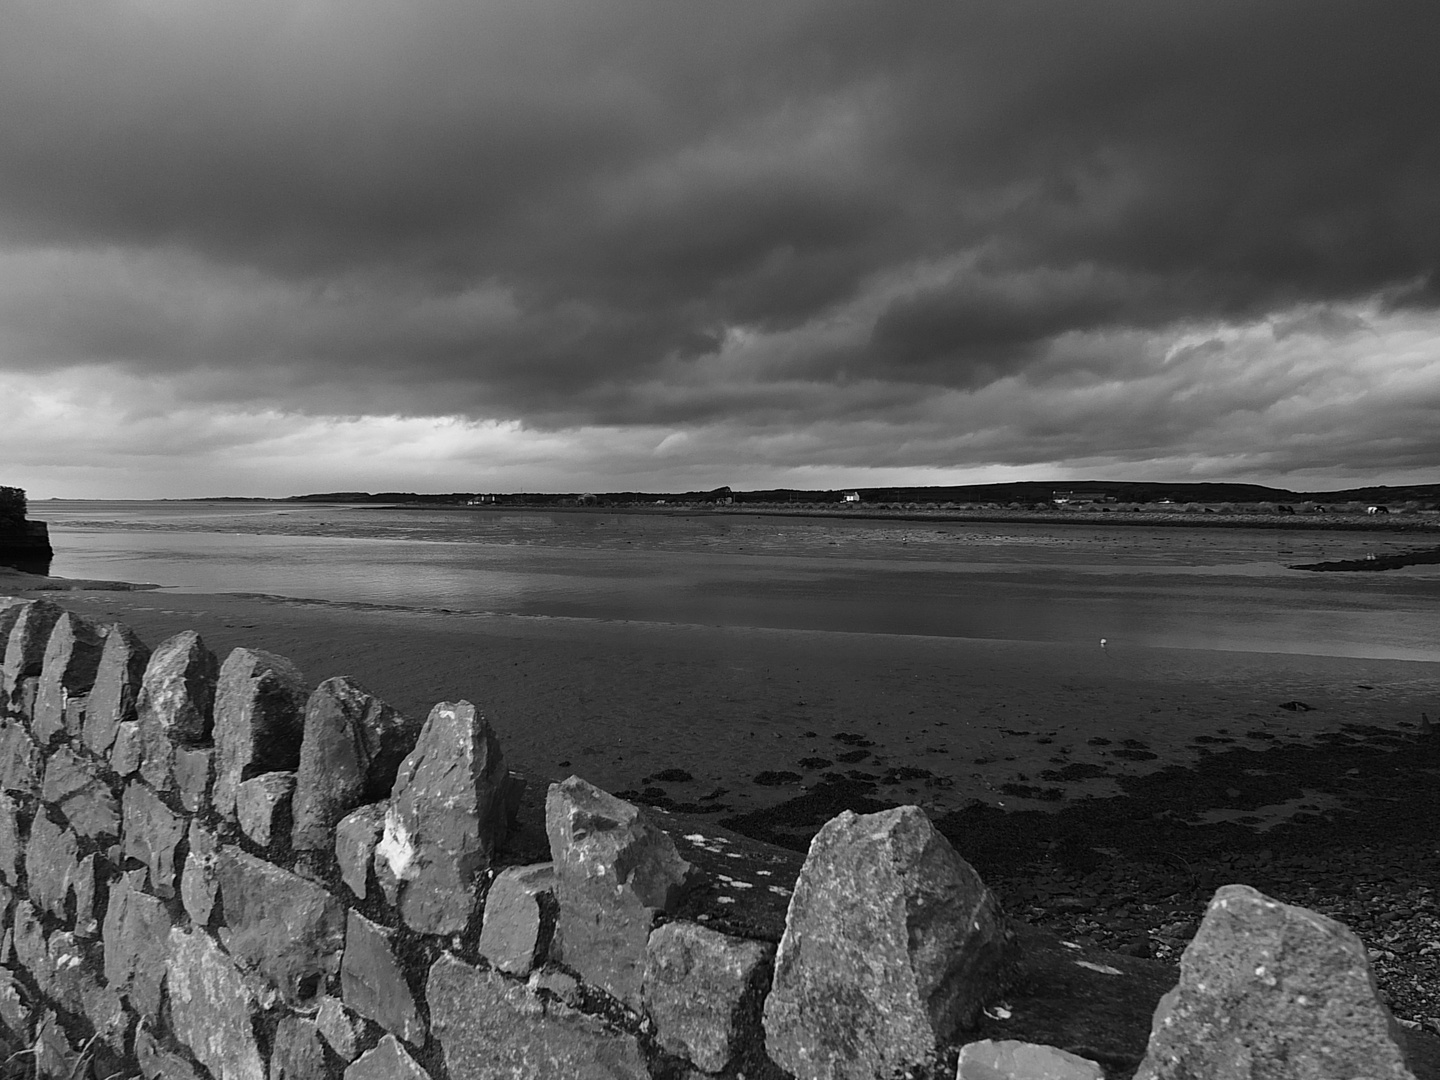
1377	510
851	496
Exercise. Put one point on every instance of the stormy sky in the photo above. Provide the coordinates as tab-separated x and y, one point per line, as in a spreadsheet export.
270	248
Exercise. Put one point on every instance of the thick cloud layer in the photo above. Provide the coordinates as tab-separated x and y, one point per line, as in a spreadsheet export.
840	224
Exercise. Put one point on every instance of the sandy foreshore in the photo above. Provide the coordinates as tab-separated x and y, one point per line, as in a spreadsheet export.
754	717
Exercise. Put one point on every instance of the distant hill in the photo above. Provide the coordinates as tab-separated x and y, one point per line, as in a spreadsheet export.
1026	492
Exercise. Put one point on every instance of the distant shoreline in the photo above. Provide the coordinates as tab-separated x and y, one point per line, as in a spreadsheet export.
1420	522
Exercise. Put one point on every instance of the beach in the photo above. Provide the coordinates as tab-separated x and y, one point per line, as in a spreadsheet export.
756	712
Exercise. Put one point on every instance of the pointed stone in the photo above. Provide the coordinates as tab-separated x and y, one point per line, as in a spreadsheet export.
12	846
444	820
72	657
157	1063
211	1007
117	687
614	871
372	983
175	704
388	1061
259	702
51	858
340	1027
200	880
299	1053
150	832
353	746
74	786
136	924
289	929
193	767
128	749
892	943
20	760
25	646
1269	989
262	802
515	916
356	836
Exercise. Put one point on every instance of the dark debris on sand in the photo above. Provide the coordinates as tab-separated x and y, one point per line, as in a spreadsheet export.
1133	873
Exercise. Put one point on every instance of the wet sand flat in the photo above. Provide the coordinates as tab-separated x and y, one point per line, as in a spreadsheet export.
732	720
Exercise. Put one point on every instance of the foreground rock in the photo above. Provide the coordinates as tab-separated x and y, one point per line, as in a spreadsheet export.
445	818
117	687
1268	989
72	657
210	1008
515	916
489	1028
697	986
291	930
891	944
175	706
1012	1060
24	647
258	701
614	871
352	749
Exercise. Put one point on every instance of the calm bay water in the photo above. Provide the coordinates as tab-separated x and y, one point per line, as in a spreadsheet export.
1190	588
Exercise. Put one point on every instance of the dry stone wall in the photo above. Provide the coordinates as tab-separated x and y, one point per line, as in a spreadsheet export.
211	870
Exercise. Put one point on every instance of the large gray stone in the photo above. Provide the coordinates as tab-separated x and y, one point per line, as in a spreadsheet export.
490	1028
128	749
52	868
193	766
614	871
695	983
261	803
211	1007
1271	990
892	943
12	846
298	1053
157	1063
372	983
445	817
136	936
356	836
289	929
200	880
387	1061
117	687
72	656
514	916
340	1027
352	750
1010	1059
150	832
175	705
20	760
25	646
74	786
258	703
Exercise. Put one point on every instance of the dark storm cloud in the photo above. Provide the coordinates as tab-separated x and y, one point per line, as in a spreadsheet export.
552	210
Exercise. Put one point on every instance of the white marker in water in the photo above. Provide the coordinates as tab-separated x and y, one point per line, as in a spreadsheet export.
1102	643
